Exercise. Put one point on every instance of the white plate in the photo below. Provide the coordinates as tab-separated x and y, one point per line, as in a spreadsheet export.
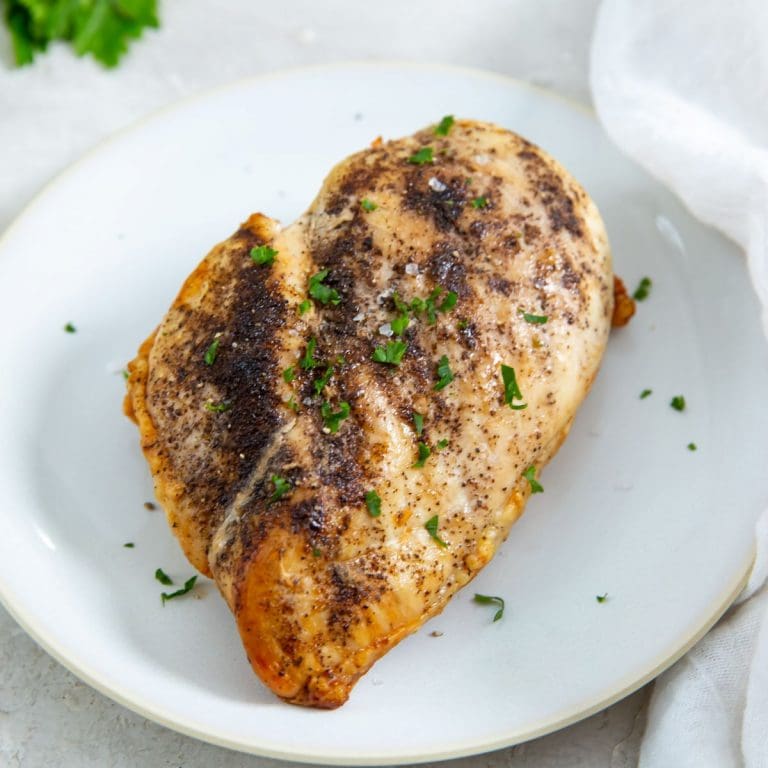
628	510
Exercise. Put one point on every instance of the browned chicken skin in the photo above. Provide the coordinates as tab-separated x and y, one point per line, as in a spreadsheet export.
273	428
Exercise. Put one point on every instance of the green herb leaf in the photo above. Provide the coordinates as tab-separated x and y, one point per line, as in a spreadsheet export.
601	598
264	255
534	319
391	354
643	289
444	126
424	453
646	393
292	404
373	502
449	302
418	422
332	419
441	444
530	476
282	487
305	306
69	328
463	324
444	374
289	374
316	552
678	403
491	600
431	526
422	157
368	205
400	324
692	447
217	407
163	577
511	390
212	352
321	292
129	545
321	383
188	584
308	361
480	202
126	374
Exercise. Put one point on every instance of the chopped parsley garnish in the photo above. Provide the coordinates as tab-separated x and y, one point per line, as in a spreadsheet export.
373	502
212	352
418	422
534	319
188	584
400	324
678	403
601	598
282	487
424	453
463	324
692	446
422	157
480	202
321	383
217	407
163	577
530	476
646	393
643	289
129	545
449	302
316	552
305	306
511	390
368	205
391	354
431	526
308	361
332	419
444	374
69	328
263	254
491	600
289	374
126	374
321	292
445	125
441	444
428	305
292	404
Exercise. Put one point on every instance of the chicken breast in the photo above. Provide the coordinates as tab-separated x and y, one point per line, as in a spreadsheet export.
344	418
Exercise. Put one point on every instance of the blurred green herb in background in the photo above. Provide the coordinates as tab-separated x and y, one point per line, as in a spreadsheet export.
102	28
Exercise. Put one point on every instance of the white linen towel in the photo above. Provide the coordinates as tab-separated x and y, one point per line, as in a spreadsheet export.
682	87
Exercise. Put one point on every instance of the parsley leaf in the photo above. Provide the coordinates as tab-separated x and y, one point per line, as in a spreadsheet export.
102	28
534	319
646	393
289	374
264	255
391	354
69	328
213	350
601	598
530	476
305	306
129	545
480	202
308	361
678	403
445	125
282	487
444	374
321	292
418	422
333	420
511	390
373	502
368	205
422	157
449	302
424	453
431	526
321	383
643	289
217	407
400	324
441	444
491	600
188	584
163	577
692	447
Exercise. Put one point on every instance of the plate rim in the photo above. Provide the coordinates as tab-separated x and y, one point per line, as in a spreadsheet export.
80	667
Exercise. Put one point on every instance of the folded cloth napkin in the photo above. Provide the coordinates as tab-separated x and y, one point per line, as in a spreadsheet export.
682	87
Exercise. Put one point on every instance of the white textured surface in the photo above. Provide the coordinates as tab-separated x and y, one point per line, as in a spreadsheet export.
51	113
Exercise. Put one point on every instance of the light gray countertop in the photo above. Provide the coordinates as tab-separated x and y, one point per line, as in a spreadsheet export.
54	111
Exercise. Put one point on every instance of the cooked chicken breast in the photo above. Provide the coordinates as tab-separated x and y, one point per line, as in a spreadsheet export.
344	417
